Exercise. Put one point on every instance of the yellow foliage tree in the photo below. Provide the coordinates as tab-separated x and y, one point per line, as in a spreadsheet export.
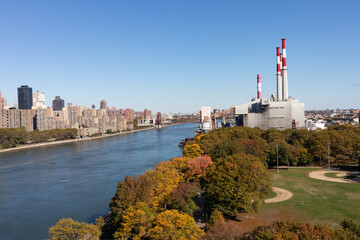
136	222
165	178
192	151
68	228
173	225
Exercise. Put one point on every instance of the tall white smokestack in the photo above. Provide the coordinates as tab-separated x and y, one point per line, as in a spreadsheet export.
284	69
258	86
279	83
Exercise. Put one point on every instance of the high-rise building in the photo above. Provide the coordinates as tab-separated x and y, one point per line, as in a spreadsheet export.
58	103
25	97
129	115
38	100
103	104
3	102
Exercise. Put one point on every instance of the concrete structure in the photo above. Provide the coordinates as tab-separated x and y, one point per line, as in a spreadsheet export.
18	118
3	102
25	100
58	103
258	86
278	112
38	100
269	113
205	112
279	92
103	104
284	72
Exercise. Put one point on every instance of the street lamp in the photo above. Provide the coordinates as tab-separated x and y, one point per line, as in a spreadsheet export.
328	144
277	157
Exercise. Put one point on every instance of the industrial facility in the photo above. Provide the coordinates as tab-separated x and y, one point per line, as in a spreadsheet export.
280	112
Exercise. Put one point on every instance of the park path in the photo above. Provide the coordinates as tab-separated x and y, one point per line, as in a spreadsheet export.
281	195
320	175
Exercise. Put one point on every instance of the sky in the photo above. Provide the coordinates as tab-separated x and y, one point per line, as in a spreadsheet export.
178	55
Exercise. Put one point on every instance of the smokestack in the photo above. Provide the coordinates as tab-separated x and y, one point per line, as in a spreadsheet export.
284	68
258	86
281	67
278	75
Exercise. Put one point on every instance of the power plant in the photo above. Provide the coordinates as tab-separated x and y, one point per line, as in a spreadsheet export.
280	112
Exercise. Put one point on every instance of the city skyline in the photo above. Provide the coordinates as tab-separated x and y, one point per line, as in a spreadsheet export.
176	57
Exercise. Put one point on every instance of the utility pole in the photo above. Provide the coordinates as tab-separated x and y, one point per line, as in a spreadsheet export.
328	144
277	157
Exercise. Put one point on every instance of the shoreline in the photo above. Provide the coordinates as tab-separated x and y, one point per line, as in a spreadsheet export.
35	145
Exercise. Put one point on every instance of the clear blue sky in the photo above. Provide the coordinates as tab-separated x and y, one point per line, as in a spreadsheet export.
174	56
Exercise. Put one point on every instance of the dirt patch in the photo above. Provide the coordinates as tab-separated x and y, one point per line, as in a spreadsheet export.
282	195
250	221
320	175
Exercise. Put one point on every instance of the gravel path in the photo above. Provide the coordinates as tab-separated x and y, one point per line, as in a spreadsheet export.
320	175
282	195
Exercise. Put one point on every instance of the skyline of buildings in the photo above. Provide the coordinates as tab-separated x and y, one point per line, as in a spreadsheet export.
32	114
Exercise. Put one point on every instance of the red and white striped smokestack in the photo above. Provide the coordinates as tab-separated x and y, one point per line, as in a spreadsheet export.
258	86
284	69
281	67
278	75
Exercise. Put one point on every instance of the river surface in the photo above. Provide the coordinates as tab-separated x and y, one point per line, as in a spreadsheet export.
39	186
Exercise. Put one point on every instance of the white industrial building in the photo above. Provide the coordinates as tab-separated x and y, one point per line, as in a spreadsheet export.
280	112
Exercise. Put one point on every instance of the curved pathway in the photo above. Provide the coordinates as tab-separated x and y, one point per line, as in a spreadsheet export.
320	175
281	195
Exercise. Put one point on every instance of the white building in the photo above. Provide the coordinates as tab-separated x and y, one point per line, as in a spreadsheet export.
38	100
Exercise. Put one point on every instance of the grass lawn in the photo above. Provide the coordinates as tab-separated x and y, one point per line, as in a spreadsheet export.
332	175
314	200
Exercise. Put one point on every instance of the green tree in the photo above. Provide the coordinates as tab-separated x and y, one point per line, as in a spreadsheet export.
172	225
236	184
68	229
182	198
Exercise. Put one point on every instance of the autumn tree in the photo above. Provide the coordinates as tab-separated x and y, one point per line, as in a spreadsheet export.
183	197
192	151
165	178
128	193
136	222
68	228
285	229
236	184
172	225
197	167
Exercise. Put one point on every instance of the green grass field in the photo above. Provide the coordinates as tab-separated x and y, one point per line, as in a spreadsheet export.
315	201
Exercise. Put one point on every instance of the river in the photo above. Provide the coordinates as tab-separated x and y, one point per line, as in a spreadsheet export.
39	186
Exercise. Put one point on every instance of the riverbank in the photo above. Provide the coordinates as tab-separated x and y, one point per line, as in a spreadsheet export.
35	145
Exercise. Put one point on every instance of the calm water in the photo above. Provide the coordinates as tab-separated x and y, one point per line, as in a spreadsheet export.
41	185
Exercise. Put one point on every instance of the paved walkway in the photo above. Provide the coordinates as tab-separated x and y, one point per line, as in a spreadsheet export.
320	175
282	195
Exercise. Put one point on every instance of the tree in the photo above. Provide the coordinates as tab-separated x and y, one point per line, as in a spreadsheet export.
171	225
136	222
192	151
182	198
285	229
236	184
197	167
67	229
165	178
128	193
215	217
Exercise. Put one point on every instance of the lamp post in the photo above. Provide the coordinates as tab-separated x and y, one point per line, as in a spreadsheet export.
328	144
277	157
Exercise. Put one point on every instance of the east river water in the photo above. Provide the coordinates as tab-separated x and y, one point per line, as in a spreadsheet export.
39	186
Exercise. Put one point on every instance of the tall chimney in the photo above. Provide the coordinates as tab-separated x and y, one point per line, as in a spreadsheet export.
278	76
284	68
258	86
281	68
